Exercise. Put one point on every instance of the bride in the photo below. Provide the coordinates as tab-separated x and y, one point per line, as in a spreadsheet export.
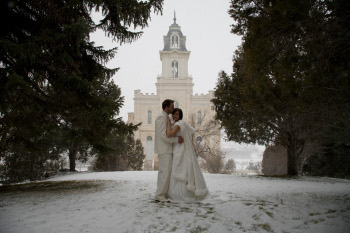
187	183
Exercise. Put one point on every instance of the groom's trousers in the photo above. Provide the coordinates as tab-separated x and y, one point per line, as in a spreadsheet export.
164	172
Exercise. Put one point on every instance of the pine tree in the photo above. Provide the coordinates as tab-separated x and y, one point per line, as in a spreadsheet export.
136	155
125	153
290	77
53	81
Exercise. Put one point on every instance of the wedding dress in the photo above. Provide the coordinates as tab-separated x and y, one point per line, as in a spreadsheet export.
187	183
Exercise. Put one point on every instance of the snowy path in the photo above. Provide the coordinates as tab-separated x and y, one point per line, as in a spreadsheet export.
123	202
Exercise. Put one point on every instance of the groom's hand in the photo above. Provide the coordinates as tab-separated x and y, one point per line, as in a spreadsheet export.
180	140
168	119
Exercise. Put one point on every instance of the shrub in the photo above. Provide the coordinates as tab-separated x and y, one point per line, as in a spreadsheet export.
274	161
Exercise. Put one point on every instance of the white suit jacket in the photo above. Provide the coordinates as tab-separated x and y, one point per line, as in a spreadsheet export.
162	144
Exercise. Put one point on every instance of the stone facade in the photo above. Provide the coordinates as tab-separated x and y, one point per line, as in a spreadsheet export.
174	83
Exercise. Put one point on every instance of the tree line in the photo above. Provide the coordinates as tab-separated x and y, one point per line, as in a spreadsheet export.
289	86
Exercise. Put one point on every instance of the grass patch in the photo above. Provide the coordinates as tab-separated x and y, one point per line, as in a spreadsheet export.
269	214
198	229
52	186
264	226
202	215
331	211
256	217
315	221
314	214
186	210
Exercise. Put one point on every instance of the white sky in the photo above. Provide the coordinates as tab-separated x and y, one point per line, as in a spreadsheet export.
206	25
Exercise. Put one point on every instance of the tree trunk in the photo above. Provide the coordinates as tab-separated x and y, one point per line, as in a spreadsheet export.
292	160
295	148
72	157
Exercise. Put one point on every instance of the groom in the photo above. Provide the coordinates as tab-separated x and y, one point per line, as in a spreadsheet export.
163	147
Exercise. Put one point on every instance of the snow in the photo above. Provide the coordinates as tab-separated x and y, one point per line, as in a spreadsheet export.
124	203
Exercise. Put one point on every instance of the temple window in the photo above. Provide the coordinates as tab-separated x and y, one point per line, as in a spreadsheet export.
199	117
149	117
174	41
174	69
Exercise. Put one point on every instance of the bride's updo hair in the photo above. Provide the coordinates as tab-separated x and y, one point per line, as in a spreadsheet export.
180	112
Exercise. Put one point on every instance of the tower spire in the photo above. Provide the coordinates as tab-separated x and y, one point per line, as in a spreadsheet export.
174	17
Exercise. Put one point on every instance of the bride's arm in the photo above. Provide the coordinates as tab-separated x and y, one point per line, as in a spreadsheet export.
171	132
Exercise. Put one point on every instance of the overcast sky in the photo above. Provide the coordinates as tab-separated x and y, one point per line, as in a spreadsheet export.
206	25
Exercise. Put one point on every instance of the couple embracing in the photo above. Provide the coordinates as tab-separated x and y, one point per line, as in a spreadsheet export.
179	177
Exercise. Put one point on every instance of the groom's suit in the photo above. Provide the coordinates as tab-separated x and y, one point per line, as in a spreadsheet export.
163	147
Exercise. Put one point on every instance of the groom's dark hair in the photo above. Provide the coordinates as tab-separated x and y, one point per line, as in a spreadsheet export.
166	103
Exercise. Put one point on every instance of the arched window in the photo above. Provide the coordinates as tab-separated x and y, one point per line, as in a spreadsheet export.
174	69
199	141
174	41
149	148
199	117
149	117
176	104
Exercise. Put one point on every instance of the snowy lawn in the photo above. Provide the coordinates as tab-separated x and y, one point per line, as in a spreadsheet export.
123	202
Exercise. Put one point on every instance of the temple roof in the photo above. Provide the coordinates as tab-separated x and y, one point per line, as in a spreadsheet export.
174	29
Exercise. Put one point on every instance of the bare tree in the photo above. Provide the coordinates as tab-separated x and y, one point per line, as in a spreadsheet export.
206	142
230	166
213	161
255	167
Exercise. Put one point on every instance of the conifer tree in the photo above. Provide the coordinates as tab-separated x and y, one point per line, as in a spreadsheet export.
290	81
128	155
135	155
55	89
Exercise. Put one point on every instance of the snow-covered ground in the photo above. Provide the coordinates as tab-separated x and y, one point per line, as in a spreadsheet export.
123	202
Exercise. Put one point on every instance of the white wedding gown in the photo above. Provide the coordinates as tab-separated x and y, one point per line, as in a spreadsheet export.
187	183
